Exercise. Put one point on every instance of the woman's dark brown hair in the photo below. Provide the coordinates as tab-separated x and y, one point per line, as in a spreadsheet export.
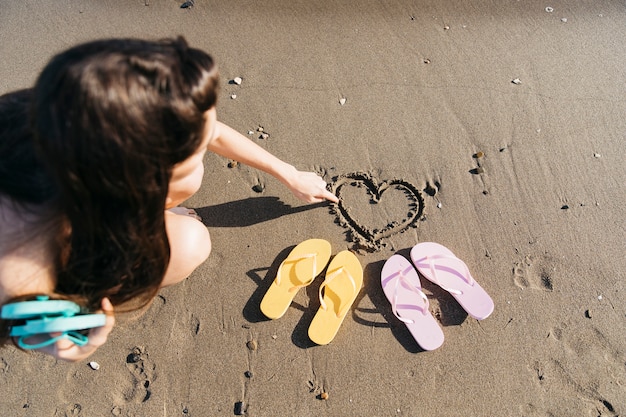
26	188
22	177
112	118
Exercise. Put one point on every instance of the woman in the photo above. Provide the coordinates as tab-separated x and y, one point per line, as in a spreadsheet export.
124	125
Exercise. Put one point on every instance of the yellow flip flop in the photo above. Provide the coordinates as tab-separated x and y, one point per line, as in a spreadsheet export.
344	279
303	264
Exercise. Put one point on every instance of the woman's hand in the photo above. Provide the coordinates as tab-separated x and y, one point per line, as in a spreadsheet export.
68	351
310	187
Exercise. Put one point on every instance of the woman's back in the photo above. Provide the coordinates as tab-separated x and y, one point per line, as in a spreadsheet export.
29	221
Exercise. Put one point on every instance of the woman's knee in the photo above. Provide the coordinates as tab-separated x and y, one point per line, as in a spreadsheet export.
190	246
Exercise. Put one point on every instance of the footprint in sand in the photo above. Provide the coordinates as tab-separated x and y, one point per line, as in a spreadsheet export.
71	410
594	384
143	371
534	273
556	375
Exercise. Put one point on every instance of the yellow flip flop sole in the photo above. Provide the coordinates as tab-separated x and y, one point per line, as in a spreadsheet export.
302	265
344	279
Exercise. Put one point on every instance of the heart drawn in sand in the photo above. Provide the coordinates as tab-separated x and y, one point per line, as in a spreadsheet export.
405	204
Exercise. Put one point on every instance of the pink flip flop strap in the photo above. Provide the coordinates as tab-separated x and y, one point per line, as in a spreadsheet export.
296	260
327	281
466	276
394	303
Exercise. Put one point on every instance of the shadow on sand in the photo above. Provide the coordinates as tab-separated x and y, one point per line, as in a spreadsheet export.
249	211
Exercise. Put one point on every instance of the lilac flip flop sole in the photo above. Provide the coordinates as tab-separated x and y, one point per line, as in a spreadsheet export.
438	264
402	287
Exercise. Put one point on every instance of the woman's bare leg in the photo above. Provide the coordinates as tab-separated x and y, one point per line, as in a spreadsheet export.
190	246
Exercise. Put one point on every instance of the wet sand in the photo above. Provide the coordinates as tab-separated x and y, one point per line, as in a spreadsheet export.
524	181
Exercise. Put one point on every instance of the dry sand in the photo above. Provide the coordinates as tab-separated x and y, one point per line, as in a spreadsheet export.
539	219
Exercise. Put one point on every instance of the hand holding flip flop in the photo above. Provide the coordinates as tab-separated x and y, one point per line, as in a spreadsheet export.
55	327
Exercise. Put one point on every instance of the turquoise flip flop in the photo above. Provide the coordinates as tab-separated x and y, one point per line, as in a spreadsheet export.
44	316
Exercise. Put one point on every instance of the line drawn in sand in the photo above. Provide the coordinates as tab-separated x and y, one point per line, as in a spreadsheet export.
365	236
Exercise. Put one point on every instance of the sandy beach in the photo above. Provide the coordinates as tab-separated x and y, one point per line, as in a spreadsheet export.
494	128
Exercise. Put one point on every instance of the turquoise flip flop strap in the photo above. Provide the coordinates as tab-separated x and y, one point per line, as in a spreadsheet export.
67	327
74	337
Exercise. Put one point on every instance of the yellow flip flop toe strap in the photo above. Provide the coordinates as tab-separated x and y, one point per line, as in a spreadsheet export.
332	275
295	261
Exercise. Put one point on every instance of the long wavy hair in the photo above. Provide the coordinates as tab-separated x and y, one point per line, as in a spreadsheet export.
27	191
111	119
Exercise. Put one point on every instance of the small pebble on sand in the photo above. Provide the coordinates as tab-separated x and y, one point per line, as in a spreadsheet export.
252	345
94	365
233	96
516	81
237	80
549	9
342	101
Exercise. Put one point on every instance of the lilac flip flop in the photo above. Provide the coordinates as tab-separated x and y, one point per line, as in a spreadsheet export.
402	287
439	265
